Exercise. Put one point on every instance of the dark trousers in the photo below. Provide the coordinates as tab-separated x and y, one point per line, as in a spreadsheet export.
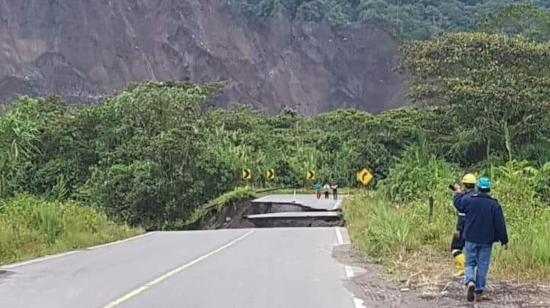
457	244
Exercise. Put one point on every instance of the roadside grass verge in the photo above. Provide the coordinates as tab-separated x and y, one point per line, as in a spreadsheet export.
31	227
403	238
215	206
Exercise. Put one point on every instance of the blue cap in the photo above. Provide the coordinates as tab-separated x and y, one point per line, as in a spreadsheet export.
484	183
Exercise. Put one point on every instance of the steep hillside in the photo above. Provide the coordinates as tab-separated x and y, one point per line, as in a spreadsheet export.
82	49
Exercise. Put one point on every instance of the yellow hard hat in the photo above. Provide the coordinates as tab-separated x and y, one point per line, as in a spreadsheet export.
469	179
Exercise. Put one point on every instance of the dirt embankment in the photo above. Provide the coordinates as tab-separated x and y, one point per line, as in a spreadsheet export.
225	216
81	49
231	215
432	286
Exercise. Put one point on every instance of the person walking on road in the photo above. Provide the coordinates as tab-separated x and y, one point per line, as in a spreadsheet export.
326	189
457	243
484	225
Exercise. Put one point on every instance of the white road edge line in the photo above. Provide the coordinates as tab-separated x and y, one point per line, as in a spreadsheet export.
359	303
349	271
339	238
171	273
64	254
120	242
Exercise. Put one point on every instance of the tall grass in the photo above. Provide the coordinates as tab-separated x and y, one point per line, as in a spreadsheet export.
392	230
385	230
32	227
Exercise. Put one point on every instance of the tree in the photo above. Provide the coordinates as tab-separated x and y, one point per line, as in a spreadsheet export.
523	19
497	87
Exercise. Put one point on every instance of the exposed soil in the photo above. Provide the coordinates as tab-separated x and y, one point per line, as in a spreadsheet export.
432	290
82	50
231	216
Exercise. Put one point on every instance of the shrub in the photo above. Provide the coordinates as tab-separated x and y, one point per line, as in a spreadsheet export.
417	174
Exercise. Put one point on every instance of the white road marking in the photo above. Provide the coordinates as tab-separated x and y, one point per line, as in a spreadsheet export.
339	238
46	258
171	273
121	241
349	271
359	303
337	205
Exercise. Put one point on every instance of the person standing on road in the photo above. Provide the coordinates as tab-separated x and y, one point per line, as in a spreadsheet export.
484	225
457	243
334	188
317	187
326	189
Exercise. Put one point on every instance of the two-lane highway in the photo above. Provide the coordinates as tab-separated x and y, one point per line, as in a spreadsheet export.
224	268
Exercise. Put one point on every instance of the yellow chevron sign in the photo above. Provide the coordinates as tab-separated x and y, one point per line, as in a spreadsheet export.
310	175
246	174
270	174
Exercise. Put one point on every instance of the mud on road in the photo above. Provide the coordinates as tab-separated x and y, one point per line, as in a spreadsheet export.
375	290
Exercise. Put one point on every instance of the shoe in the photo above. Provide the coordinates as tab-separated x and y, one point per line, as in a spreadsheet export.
470	293
479	297
459	265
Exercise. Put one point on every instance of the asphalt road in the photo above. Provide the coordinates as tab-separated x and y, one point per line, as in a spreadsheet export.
308	200
226	268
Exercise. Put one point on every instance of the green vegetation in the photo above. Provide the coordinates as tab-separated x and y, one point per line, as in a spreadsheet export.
151	155
495	88
32	227
389	229
494	91
521	19
418	19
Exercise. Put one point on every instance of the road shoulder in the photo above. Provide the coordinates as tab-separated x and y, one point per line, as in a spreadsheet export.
370	285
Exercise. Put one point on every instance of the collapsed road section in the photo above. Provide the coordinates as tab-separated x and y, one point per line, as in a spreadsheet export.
294	211
270	211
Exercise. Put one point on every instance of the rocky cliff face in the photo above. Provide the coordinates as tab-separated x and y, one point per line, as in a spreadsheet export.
83	49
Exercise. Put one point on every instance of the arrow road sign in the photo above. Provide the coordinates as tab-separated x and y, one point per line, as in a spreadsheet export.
246	174
365	177
270	174
310	175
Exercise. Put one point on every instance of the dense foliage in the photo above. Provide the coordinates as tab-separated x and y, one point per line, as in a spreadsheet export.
149	155
418	19
394	224
152	153
495	88
521	19
494	91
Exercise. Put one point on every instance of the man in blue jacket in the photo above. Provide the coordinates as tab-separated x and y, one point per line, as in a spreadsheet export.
484	225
